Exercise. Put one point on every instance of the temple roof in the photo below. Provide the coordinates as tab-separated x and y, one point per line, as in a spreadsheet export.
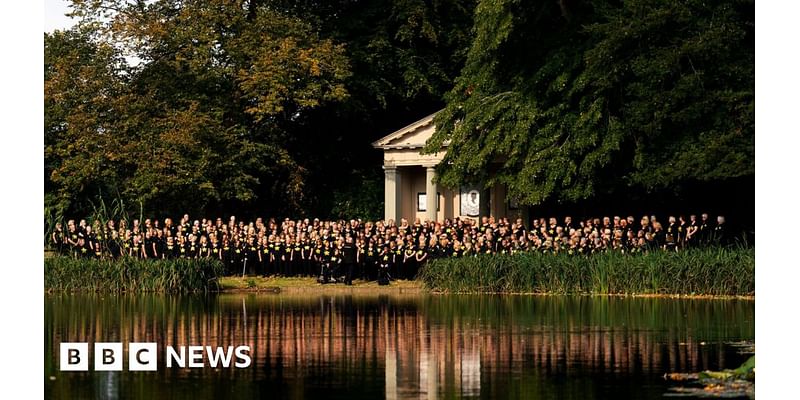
412	136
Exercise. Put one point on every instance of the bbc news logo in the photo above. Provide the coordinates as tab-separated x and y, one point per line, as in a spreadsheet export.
144	357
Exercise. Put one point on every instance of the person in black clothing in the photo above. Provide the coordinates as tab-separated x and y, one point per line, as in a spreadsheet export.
321	253
150	251
692	232
126	242
671	244
625	229
336	262
568	224
192	248
137	250
307	255
72	235
421	255
296	258
263	254
705	229
282	254
251	257
82	228
348	260
98	250
237	256
683	226
90	240
607	223
185	225
720	235
399	260
458	250
169	251
204	250
445	250
215	246
384	261
659	236
58	239
644	225
181	247
551	229
226	255
361	257
272	256
410	261
371	262
326	258
673	231
83	249
160	242
113	245
505	247
393	259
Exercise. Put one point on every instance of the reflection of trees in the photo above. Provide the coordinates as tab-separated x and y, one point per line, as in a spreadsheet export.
411	345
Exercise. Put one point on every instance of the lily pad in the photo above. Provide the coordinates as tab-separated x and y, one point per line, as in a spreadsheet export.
729	383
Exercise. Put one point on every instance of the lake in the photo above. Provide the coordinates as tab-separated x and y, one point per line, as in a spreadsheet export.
399	346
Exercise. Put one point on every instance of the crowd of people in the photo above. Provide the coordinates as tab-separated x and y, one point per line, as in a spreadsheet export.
383	250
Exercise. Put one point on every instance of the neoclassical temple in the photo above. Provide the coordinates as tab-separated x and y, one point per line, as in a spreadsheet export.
410	190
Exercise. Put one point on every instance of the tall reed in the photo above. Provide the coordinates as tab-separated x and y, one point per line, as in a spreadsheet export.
131	275
709	271
101	212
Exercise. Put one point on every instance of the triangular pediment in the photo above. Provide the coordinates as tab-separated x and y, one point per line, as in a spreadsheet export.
410	137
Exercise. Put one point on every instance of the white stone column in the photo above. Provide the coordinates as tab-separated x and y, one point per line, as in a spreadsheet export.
430	193
391	198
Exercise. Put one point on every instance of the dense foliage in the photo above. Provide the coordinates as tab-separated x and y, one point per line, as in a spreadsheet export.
269	106
711	271
566	100
131	275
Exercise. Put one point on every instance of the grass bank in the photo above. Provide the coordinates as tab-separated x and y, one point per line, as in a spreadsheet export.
310	285
131	275
711	271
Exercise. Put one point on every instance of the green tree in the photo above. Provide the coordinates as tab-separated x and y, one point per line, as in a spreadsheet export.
83	83
401	51
202	119
404	56
266	106
566	100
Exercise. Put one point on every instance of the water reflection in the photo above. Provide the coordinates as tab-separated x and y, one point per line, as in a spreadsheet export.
400	346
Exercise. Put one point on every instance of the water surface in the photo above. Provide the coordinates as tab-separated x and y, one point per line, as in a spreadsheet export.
400	346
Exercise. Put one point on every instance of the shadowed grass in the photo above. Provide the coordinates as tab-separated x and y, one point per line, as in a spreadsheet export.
710	271
131	275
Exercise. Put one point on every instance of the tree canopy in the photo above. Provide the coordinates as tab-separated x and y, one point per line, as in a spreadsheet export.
270	106
565	100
